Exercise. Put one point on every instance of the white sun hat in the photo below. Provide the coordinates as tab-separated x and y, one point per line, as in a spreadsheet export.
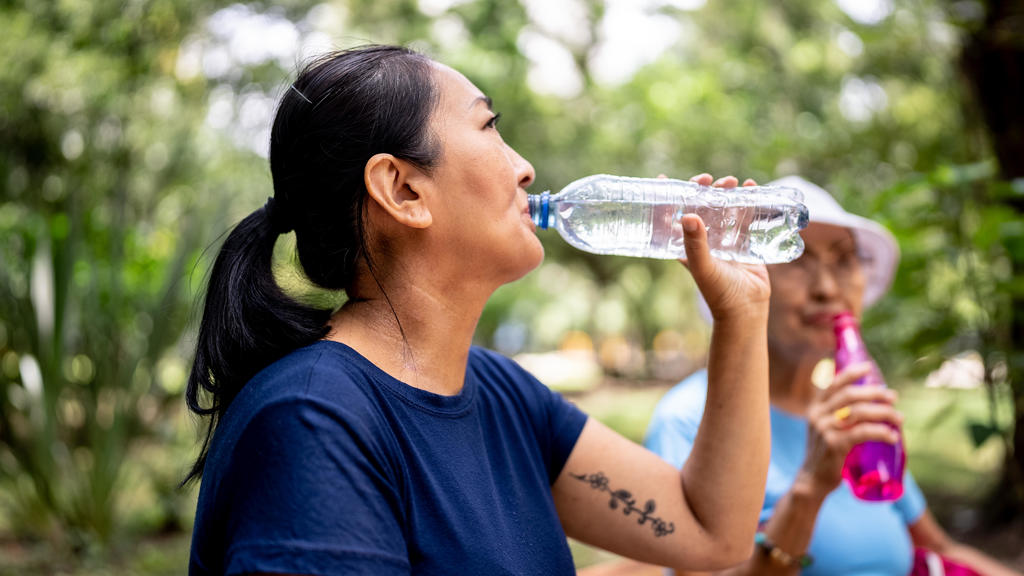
878	250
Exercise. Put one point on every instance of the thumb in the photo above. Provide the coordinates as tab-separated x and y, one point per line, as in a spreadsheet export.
695	239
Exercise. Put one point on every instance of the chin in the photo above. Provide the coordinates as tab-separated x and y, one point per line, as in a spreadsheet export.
530	258
819	348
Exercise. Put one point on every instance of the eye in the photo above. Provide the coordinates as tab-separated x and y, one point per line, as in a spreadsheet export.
493	122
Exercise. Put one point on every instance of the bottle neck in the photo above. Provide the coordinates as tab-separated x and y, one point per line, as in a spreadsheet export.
850	348
848	338
540	210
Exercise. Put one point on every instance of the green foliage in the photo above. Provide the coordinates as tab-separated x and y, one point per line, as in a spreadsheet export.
106	199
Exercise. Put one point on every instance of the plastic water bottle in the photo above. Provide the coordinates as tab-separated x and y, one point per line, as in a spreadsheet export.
873	469
643	217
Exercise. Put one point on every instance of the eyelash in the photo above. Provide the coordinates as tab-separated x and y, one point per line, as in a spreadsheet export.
493	122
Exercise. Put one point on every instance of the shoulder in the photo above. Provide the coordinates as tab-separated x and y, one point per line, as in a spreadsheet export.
505	385
497	371
326	371
313	387
489	360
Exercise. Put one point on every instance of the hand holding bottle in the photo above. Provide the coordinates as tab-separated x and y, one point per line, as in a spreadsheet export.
841	417
874	469
642	217
731	289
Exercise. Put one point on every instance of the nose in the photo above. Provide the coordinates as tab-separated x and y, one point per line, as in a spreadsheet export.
824	286
524	170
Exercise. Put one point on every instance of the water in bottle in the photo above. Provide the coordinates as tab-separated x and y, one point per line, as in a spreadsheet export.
643	217
873	469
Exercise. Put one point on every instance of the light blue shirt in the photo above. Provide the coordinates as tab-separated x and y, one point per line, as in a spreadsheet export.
851	536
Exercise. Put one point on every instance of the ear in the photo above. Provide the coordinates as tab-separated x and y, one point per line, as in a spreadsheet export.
387	181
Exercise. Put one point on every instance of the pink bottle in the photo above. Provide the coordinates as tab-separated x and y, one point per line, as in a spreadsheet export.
873	469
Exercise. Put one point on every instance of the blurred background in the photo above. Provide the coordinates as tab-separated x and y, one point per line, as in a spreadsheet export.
133	134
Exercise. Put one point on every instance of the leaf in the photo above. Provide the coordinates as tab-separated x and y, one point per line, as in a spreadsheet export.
980	433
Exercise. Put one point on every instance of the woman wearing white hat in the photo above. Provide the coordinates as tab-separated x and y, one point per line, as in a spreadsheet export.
810	519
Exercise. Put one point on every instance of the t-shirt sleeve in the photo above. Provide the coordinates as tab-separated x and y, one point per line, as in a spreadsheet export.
912	504
565	423
556	422
307	493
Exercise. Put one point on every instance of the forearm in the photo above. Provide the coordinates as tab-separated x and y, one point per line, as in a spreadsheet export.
790	529
724	477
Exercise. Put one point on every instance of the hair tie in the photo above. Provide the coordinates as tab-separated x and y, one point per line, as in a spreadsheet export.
278	221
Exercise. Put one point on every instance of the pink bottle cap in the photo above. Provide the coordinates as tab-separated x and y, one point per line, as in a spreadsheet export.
843	320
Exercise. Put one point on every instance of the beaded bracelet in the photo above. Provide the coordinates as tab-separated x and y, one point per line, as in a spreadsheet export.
780	556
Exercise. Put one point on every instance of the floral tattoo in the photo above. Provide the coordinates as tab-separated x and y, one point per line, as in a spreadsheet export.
598	481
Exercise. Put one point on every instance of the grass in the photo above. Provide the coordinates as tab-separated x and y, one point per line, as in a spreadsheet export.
154	556
941	453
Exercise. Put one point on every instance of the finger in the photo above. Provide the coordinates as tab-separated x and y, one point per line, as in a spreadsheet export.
749	182
857	394
702	179
850	415
662	176
695	240
844	378
869	432
726	182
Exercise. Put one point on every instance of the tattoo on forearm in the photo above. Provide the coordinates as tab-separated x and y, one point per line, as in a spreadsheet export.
598	481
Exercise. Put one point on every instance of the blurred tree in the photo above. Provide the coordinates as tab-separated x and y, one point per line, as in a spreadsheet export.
993	63
106	193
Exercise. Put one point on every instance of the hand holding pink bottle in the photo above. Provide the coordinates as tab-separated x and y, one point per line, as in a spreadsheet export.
873	469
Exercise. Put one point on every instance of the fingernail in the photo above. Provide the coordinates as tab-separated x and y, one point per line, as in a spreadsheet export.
689	225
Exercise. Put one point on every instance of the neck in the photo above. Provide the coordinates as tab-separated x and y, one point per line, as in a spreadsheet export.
790	384
419	334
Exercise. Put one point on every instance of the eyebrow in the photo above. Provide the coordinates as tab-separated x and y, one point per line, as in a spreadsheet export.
848	239
485	100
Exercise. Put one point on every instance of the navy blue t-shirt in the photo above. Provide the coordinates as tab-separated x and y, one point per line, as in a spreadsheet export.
325	464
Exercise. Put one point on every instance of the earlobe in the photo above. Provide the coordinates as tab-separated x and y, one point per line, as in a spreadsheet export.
387	181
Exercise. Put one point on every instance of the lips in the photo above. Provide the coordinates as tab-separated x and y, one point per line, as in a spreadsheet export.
528	220
823	318
526	214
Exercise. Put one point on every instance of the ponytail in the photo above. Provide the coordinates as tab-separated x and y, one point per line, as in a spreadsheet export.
343	108
248	321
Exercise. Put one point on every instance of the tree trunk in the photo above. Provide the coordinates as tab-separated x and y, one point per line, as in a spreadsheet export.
993	64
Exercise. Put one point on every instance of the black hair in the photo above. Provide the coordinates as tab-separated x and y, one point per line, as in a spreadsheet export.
343	108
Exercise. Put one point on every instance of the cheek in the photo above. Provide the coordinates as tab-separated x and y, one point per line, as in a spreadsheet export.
854	295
